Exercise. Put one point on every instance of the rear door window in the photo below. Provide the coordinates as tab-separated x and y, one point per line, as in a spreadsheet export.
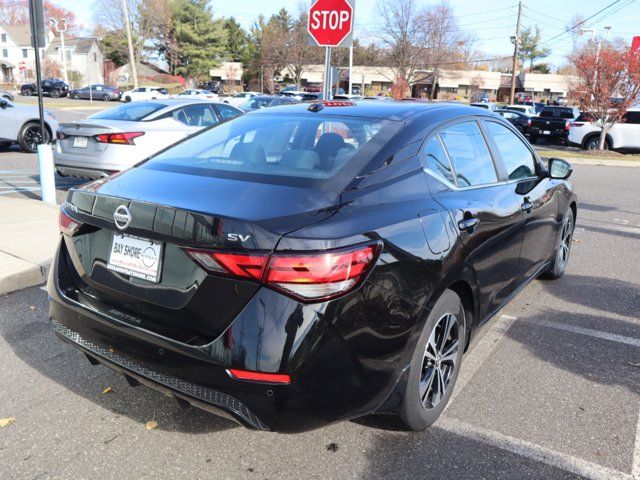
516	157
199	115
469	154
436	162
226	112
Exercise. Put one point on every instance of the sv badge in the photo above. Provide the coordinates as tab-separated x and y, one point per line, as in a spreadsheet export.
235	237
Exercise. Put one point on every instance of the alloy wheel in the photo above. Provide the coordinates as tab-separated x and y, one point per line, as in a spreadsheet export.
439	361
565	244
33	137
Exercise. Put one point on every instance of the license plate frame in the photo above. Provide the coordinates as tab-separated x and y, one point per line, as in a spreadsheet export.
546	132
80	142
131	261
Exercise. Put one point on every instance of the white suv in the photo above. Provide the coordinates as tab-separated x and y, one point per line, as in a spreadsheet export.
145	93
625	135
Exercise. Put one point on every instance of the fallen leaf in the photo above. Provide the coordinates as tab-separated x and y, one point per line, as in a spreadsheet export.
332	447
634	364
32	307
107	390
151	424
5	422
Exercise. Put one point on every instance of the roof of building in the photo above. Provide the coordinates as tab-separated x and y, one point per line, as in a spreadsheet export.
81	44
21	34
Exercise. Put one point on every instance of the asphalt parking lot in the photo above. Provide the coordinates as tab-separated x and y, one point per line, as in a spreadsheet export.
551	389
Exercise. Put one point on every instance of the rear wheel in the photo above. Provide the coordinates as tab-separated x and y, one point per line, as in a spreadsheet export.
106	98
75	96
560	258
127	99
435	363
30	137
593	143
55	94
27	92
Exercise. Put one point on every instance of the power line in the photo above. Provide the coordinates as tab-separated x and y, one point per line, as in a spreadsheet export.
582	22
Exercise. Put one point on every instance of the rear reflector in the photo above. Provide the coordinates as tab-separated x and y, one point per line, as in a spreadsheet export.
280	378
124	138
307	277
68	225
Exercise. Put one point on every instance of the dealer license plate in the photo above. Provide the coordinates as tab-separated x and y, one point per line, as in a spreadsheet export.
546	132
135	256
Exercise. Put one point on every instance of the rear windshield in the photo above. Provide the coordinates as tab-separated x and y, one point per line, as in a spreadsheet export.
258	102
133	112
279	148
557	113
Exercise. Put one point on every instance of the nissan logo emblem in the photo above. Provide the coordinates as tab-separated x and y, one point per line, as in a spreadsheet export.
122	217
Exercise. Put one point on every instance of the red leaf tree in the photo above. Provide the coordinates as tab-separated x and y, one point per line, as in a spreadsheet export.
609	80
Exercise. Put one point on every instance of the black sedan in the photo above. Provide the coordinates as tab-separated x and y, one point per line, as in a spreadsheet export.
311	263
519	120
105	93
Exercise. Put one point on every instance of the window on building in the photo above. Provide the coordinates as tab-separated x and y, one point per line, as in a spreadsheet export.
25	53
5	53
4	38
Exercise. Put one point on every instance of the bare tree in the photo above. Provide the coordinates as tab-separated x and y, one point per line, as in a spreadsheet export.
403	35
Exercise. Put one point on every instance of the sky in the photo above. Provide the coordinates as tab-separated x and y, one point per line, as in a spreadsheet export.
491	21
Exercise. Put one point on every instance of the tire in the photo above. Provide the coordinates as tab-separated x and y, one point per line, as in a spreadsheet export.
127	99
27	92
533	139
29	137
593	142
153	98
106	98
75	96
54	94
425	398
561	256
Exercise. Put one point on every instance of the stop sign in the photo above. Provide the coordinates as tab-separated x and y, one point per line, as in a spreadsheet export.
330	22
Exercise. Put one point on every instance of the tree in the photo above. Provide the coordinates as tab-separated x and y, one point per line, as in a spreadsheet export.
299	53
541	68
17	13
530	47
610	82
237	39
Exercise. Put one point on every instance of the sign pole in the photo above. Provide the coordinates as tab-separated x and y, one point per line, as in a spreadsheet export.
351	70
327	74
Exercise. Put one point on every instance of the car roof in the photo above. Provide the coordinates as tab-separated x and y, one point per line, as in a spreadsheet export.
390	110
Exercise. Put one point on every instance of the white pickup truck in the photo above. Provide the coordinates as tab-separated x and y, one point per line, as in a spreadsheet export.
622	136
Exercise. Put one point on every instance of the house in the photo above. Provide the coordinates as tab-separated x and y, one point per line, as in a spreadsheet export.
83	56
121	76
17	57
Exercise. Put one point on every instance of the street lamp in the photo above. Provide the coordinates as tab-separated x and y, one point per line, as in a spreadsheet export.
61	27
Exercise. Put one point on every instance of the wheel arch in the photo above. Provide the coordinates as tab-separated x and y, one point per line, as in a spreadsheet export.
590	135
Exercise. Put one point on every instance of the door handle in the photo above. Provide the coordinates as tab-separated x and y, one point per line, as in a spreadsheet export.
468	224
526	206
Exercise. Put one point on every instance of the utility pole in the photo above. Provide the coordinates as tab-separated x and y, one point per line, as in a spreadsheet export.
61	27
516	47
132	58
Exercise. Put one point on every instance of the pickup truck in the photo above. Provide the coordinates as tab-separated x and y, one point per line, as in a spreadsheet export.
52	87
553	123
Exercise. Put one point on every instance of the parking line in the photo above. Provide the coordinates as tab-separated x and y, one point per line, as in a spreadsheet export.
532	451
475	357
635	342
18	190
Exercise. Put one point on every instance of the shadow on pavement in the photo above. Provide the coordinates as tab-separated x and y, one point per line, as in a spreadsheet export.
30	336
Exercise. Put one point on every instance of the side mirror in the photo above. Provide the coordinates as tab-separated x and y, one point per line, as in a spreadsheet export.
559	169
3	104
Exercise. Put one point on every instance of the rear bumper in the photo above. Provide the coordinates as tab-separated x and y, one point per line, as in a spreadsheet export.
331	379
88	173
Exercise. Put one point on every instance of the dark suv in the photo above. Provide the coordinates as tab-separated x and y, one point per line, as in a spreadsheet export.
53	87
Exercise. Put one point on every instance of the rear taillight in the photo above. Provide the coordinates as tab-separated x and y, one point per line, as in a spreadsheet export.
307	277
68	225
125	138
60	135
567	126
251	376
577	124
529	122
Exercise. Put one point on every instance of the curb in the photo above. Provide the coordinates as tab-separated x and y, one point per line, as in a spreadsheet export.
28	275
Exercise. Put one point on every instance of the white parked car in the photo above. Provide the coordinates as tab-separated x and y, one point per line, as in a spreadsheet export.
528	110
625	135
196	93
239	98
117	138
20	124
145	93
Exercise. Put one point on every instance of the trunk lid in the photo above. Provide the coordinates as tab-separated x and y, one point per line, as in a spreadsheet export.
179	211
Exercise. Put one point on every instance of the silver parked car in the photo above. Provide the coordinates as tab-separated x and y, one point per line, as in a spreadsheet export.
118	138
6	94
20	124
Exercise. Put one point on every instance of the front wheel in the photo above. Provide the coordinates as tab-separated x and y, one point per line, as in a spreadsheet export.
594	143
30	137
127	99
27	92
106	98
435	363
55	94
75	96
560	258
